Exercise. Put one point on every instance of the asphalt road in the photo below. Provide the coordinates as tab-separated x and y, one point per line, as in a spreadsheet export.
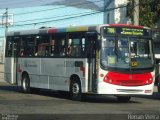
53	105
44	104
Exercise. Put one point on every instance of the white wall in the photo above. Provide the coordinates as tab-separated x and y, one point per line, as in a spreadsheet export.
117	12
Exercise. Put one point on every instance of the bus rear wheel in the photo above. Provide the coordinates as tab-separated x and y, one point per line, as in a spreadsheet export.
123	98
25	84
75	90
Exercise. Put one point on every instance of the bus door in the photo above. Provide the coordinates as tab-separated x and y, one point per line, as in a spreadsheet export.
11	61
91	56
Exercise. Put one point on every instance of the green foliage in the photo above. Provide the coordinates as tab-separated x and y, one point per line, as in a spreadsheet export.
149	11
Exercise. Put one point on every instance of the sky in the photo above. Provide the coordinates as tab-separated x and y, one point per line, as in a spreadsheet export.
73	7
38	11
23	3
29	3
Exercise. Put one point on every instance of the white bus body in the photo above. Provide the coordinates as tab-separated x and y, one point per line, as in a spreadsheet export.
59	73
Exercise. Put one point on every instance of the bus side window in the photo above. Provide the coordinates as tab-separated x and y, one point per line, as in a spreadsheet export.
52	47
69	47
41	51
55	45
9	47
62	48
42	46
83	46
58	45
27	46
76	45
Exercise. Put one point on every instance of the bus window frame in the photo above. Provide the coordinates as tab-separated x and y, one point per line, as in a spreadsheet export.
12	40
77	35
7	47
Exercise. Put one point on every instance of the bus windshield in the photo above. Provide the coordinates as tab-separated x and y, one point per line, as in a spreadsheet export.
127	53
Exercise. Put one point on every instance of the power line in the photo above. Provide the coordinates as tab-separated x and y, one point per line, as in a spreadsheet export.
57	19
21	2
33	1
80	3
12	2
56	16
52	17
110	9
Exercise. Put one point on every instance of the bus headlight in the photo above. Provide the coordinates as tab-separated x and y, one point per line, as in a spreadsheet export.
107	79
149	81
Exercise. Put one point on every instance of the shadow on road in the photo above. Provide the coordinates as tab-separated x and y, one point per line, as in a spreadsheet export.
65	95
12	88
86	98
155	96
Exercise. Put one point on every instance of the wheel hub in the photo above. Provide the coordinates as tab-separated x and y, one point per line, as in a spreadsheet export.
75	88
24	84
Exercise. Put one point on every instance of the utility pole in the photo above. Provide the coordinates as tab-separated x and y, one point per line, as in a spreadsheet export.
6	30
6	24
136	12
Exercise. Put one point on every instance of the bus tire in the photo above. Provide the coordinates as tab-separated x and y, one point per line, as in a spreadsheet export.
123	98
25	84
75	90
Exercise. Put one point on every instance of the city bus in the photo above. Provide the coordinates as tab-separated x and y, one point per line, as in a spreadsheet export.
107	59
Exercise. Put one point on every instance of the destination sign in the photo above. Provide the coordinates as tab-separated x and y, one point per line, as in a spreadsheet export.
126	31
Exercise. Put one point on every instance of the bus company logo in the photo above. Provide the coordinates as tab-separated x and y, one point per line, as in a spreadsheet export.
30	63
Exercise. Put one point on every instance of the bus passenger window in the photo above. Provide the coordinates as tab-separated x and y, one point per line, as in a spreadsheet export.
42	46
77	47
69	47
9	47
62	48
43	49
52	45
27	46
83	45
21	52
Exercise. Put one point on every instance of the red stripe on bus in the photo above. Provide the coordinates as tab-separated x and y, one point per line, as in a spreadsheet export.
19	69
128	79
83	70
52	31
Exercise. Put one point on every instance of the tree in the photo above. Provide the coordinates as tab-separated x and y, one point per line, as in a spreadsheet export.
149	11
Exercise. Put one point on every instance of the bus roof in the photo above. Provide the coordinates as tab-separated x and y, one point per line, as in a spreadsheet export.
66	29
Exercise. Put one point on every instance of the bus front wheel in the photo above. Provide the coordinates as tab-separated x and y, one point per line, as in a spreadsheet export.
25	84
75	90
